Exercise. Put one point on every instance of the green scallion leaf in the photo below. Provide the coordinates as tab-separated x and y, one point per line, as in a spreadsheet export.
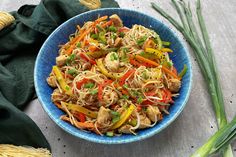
141	41
94	36
112	29
110	133
122	34
93	92
115	119
89	85
125	97
78	45
140	100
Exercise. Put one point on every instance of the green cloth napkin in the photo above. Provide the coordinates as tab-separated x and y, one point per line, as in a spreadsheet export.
19	45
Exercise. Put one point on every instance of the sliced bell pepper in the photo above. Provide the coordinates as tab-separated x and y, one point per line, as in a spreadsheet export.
125	76
80	83
64	86
85	57
107	73
83	125
158	53
166	70
100	88
78	108
124	117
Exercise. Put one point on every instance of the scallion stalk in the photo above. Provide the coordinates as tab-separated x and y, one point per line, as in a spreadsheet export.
206	61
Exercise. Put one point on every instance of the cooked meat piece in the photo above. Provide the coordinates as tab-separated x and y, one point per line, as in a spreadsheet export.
144	122
153	111
51	80
116	20
104	117
118	42
174	85
112	61
61	60
125	129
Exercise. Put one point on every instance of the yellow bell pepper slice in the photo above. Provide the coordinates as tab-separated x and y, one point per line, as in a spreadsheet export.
158	53
107	73
64	86
166	50
78	108
124	116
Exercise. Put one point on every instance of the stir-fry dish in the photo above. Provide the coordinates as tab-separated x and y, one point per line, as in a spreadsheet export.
110	79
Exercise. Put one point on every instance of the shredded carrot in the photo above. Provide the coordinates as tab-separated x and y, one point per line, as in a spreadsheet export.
76	40
108	23
92	48
142	59
103	18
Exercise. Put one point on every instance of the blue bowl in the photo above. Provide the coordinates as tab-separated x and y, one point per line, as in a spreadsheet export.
49	51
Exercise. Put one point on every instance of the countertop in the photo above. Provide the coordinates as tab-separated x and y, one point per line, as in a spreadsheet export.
197	121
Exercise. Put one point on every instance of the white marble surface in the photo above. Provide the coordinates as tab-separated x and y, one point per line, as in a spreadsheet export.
196	123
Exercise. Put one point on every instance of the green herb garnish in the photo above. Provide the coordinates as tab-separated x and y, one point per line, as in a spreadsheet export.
93	92
125	97
113	57
122	34
94	36
78	45
112	29
110	133
140	100
141	41
89	85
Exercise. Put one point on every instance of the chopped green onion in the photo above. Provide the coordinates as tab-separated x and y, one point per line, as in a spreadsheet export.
89	85
133	122
94	36
93	92
115	119
113	57
72	72
183	72
112	29
114	113
110	133
70	59
140	100
125	86
122	34
141	41
165	43
125	97
78	45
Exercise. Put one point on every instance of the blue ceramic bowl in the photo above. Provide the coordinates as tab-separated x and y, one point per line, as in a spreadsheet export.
49	51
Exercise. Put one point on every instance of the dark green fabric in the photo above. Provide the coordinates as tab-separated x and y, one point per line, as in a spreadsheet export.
19	45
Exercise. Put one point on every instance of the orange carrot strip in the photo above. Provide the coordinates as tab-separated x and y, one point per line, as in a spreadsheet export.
76	40
140	58
101	19
108	23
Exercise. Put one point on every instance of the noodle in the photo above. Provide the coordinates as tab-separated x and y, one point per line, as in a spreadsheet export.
105	87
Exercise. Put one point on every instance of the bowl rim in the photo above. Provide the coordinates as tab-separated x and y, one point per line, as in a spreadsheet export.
134	138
